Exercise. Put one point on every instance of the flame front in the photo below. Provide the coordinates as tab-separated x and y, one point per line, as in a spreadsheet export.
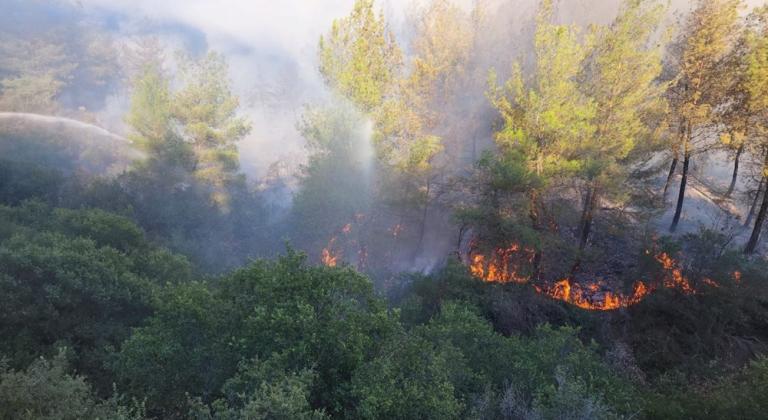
593	295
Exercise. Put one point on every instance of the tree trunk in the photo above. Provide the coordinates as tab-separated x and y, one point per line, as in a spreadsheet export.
755	238
675	160
423	227
535	216
669	176
533	211
735	171
587	215
753	207
683	180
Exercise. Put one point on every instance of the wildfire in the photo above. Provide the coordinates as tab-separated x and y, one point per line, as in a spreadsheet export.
593	295
500	267
345	240
676	280
329	257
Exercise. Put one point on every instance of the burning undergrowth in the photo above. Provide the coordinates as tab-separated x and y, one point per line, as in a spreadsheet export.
340	244
351	244
581	287
604	278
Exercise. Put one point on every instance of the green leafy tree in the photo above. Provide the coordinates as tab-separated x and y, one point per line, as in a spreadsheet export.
312	318
46	390
80	278
543	117
72	67
263	390
621	75
359	57
206	110
190	130
409	380
182	349
732	110
150	115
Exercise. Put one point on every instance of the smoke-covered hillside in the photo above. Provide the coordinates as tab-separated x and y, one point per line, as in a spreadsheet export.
491	209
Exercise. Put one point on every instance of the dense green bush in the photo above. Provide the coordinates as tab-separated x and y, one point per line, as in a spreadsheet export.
76	278
23	181
326	320
46	390
739	396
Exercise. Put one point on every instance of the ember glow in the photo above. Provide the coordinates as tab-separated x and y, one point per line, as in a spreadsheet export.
594	295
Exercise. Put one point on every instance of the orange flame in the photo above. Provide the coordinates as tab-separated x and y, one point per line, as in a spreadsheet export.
676	280
590	296
499	268
332	255
329	260
329	257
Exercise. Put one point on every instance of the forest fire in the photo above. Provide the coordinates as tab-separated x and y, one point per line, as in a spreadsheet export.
594	295
333	254
330	257
676	280
501	266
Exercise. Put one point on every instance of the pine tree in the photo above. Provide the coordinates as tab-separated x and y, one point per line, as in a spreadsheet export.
150	113
704	42
546	114
756	84
206	110
419	121
621	78
359	58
